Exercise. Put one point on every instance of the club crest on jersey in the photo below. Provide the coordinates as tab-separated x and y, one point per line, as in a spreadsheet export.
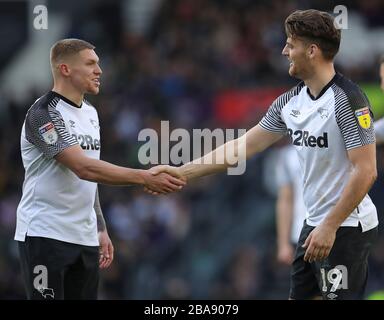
94	123
324	113
48	133
363	117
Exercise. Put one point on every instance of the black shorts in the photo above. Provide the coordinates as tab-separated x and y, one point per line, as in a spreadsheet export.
343	275
54	269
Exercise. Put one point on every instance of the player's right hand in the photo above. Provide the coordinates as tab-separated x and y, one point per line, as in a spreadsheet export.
173	171
161	183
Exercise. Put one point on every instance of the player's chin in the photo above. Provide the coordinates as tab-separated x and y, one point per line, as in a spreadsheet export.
93	90
293	72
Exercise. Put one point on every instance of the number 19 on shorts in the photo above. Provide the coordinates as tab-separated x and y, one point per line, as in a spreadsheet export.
337	278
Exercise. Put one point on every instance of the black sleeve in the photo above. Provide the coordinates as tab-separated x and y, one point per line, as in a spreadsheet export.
45	128
272	121
353	115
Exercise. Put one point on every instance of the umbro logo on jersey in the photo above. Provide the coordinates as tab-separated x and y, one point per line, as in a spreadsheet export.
303	138
324	113
72	123
94	123
294	113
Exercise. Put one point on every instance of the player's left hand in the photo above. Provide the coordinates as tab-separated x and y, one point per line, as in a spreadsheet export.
178	180
105	249
319	243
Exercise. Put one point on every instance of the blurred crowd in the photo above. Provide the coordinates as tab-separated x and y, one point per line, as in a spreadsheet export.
208	241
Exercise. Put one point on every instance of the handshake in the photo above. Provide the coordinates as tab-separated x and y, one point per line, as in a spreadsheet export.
163	179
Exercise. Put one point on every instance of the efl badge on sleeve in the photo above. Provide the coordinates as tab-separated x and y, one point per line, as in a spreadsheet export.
364	117
48	133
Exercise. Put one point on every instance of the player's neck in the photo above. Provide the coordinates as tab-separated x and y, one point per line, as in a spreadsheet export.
320	78
70	93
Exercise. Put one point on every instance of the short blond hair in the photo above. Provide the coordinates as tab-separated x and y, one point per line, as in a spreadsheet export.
67	47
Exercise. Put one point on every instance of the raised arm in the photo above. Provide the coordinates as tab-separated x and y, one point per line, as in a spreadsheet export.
99	171
269	130
255	140
45	128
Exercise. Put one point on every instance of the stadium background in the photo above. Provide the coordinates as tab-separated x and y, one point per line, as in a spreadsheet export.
199	64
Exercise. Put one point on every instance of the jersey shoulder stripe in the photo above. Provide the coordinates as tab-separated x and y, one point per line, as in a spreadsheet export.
356	97
348	99
45	127
272	121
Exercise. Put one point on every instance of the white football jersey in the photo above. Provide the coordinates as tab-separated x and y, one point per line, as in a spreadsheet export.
322	130
56	203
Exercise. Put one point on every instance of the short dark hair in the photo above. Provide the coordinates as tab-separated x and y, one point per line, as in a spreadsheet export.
317	27
381	59
67	47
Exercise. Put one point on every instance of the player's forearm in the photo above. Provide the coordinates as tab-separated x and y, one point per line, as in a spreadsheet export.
192	170
218	160
283	230
213	162
106	173
284	222
101	225
229	154
361	180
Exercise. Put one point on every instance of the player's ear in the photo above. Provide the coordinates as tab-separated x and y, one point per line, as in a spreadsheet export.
312	50
64	69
